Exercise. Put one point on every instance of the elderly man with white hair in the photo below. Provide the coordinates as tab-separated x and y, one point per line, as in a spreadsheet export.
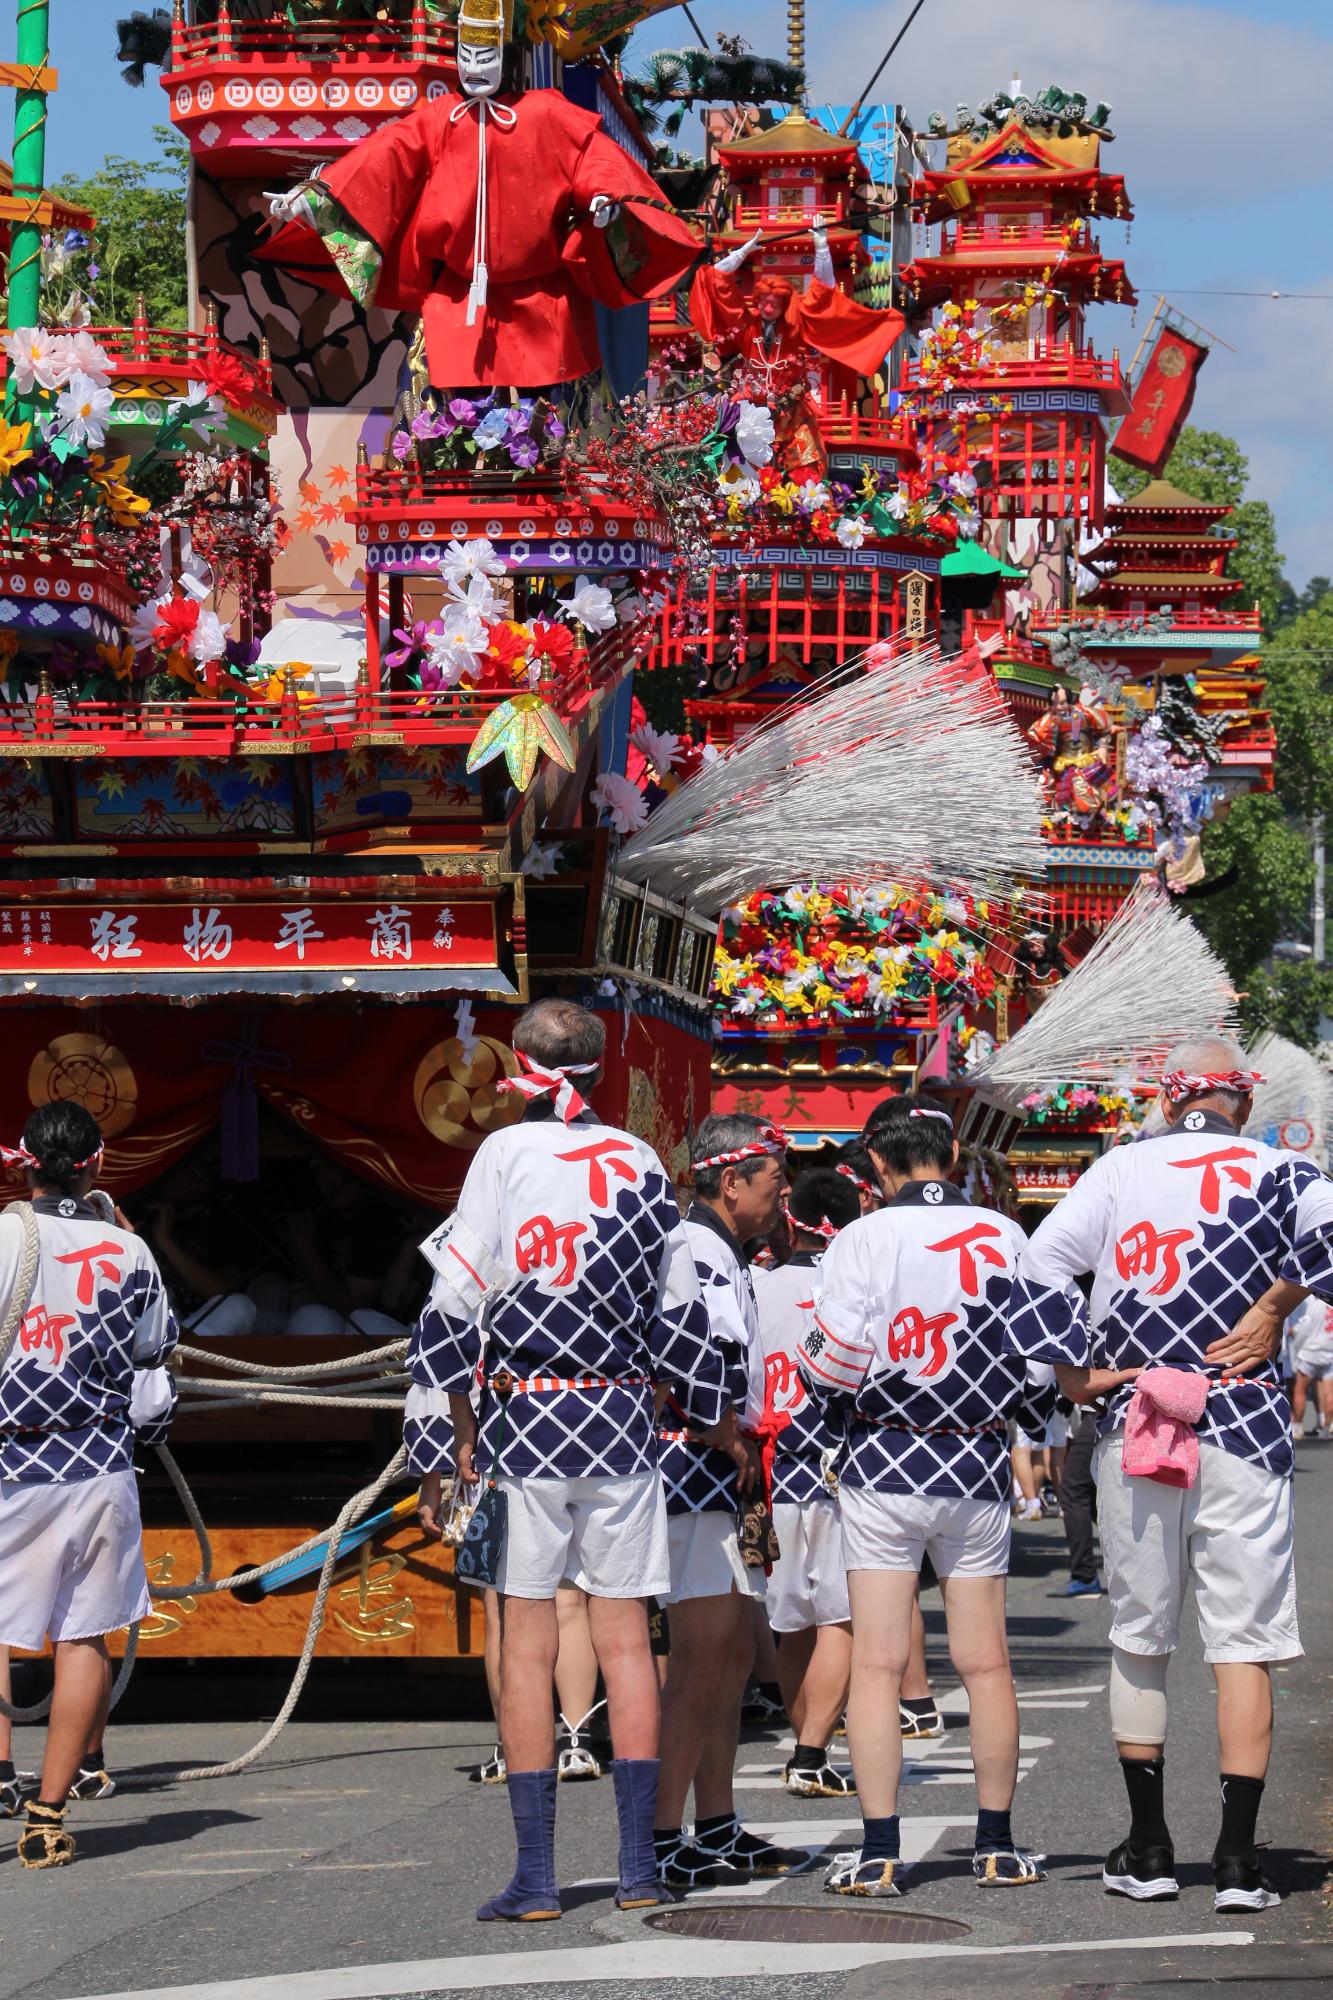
1199	1243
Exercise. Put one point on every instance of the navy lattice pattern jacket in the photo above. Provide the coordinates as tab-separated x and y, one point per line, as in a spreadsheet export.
908	1335
698	1479
1182	1232
566	1264
86	1370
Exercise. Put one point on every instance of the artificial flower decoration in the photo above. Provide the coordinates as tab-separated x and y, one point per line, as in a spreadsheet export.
463	560
755	433
520	730
621	802
591	606
38	359
812	957
659	747
83	409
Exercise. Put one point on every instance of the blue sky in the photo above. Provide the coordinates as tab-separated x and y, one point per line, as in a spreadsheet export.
1221	108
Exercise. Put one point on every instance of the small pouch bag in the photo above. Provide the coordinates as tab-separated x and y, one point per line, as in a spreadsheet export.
756	1533
482	1548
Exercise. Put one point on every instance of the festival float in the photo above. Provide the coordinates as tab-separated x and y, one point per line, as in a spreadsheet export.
420	685
305	768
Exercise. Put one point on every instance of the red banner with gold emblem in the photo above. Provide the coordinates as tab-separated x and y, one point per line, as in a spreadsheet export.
395	1095
1162	400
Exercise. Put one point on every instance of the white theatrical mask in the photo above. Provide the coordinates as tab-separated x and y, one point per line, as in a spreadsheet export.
480	67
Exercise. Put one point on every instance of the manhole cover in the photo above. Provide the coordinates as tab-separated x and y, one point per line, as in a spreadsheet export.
779	1924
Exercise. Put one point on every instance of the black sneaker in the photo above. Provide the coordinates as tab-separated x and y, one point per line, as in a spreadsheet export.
745	1852
1238	1884
1149	1877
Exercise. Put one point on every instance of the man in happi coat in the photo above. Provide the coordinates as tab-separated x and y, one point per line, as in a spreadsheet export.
565	1278
85	1372
736	1164
906	1347
807	1592
1200	1242
499	216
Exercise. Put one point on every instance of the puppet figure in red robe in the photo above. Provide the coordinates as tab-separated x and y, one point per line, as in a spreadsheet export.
499	217
778	336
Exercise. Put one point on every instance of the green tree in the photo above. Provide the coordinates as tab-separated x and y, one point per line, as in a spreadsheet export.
1269	897
1213	468
140	238
1292	1000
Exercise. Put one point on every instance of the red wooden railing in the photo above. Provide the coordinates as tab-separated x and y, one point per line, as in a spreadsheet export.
200	726
417	37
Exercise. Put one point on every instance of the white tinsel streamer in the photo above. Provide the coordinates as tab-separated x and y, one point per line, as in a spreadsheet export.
1149	982
910	771
1295	1087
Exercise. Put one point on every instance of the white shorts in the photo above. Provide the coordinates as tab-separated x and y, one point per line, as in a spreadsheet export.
706	1558
1315	1363
1054	1432
1231	1531
894	1531
605	1534
71	1560
809	1583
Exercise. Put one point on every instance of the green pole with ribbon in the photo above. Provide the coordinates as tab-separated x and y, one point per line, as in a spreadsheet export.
32	78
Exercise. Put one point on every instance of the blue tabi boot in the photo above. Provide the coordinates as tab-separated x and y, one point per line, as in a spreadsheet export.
636	1804
532	1896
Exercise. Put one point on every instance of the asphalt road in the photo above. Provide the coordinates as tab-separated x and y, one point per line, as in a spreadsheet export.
350	1861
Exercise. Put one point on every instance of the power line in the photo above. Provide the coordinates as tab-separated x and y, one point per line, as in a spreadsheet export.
1198	292
846	123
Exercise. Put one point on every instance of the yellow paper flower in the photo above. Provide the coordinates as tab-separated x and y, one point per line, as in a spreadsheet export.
13	445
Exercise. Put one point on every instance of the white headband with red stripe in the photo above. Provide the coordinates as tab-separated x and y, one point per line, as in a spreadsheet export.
19	1156
850	1174
538	1082
825	1230
1178	1085
771	1139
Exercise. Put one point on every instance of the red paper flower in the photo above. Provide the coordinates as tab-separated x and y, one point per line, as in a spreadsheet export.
175	623
553	644
229	378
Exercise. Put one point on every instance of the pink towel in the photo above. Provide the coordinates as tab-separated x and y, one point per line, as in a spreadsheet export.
1160	1441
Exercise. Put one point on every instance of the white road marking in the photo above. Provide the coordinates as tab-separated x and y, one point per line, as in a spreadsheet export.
652	1958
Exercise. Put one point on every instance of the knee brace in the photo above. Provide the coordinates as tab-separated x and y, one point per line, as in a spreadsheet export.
1138	1696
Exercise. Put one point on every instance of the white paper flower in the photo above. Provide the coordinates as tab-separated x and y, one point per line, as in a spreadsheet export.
477	557
755	433
143	621
539	861
208	641
206	413
459	646
83	409
621	801
591	606
812	499
88	357
851	531
659	746
38	359
477	593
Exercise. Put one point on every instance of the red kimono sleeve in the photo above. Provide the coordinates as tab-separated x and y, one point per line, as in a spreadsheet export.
647	249
379	186
855	336
719	310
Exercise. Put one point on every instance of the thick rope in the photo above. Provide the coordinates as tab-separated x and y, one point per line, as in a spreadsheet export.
360	1503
